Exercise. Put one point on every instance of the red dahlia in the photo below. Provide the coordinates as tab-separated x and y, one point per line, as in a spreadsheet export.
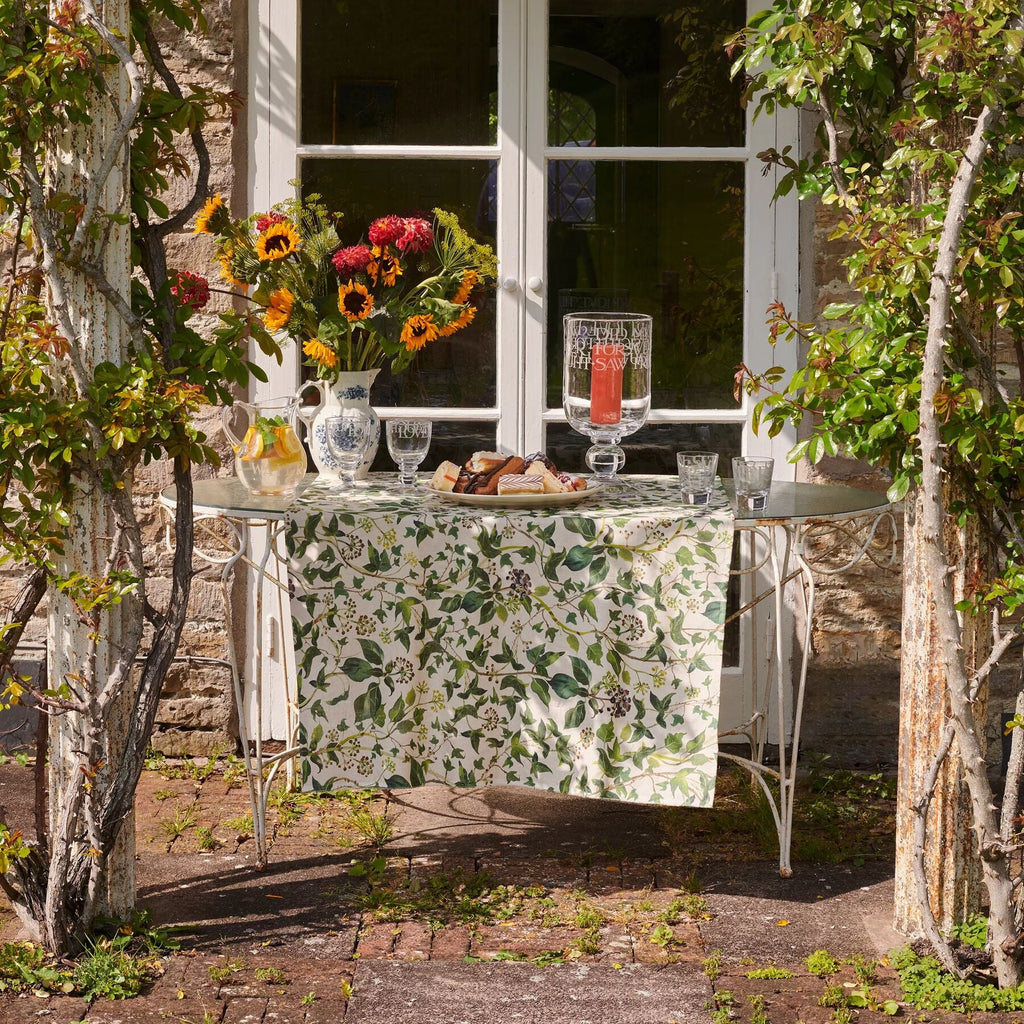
386	230
417	237
267	220
351	260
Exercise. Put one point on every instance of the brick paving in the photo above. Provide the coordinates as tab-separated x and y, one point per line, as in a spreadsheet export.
490	906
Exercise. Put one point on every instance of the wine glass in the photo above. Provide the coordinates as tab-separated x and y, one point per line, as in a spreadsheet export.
408	441
349	434
606	384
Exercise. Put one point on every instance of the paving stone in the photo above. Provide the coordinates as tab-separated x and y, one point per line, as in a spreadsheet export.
30	1009
514	993
325	1011
450	943
524	940
375	940
247	1010
413	941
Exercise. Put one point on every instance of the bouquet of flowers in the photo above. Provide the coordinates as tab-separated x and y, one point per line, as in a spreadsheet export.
354	307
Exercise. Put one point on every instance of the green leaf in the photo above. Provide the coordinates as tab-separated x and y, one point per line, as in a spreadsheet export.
576	715
578	558
357	669
565	686
863	56
366	705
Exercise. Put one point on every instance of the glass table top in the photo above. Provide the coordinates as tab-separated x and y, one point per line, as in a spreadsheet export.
787	503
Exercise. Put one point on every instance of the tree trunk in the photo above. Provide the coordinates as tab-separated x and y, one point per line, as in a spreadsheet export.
83	652
951	860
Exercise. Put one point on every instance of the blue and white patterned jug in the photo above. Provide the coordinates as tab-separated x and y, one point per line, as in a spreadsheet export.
351	389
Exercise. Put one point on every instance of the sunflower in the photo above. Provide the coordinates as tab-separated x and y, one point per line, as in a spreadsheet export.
279	309
418	330
464	319
469	282
212	218
278	241
227	270
321	354
354	301
383	267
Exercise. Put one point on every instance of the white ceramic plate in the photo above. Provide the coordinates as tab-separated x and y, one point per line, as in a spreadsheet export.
518	500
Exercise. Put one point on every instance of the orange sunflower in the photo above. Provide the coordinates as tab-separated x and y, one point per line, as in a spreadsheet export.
212	218
464	319
227	270
469	282
354	301
418	330
320	353
279	309
383	267
279	240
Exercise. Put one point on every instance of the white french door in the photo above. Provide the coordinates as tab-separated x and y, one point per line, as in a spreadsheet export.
599	146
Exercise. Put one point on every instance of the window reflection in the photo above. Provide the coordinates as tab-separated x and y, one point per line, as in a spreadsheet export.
665	239
653	73
400	73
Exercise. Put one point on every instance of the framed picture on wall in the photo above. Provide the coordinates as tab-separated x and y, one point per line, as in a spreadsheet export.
364	111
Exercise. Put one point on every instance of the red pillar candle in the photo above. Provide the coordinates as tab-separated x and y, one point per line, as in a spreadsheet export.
606	363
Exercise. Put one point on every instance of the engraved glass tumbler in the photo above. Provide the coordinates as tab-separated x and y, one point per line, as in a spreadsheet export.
408	443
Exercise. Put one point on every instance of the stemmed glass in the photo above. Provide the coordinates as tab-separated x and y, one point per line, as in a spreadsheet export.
349	434
408	441
606	384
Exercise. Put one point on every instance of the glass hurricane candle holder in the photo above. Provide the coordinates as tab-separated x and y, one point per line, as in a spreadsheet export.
606	383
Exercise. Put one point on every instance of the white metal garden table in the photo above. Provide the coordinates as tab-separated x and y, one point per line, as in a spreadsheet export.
806	528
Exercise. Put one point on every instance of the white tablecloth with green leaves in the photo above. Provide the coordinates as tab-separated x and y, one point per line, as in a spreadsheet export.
575	649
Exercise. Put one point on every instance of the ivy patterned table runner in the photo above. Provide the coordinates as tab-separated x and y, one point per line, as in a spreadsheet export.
576	649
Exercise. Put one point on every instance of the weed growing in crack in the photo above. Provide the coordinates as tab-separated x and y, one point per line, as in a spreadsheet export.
272	976
184	819
822	963
713	965
225	971
758	1010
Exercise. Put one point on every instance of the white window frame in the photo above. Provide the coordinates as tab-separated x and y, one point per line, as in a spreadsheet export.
771	235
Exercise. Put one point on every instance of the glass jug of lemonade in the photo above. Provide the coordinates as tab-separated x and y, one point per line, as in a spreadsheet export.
269	457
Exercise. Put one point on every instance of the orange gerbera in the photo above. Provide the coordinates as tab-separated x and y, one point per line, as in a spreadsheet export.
279	309
354	301
212	217
321	354
383	267
418	330
469	282
464	319
278	241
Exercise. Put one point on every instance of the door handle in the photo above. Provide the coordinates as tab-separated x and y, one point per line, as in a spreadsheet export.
509	284
535	284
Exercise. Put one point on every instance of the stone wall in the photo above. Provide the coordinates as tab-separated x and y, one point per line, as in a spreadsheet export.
196	715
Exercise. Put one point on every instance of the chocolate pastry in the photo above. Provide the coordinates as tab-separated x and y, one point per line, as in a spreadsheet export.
542	458
513	464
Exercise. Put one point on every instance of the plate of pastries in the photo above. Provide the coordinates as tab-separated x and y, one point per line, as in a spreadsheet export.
509	481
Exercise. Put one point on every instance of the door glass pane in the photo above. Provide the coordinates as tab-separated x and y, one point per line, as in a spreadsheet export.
456	371
658	238
397	73
643	73
453	441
